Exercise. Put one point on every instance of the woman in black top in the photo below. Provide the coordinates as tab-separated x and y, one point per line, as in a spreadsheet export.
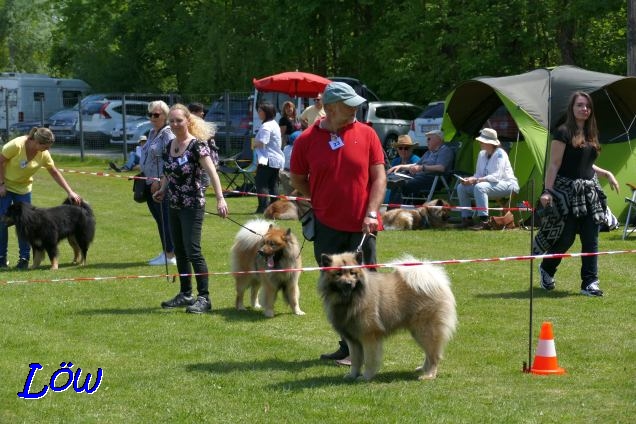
572	192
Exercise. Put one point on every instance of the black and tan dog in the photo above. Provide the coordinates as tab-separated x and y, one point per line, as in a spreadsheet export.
44	228
263	246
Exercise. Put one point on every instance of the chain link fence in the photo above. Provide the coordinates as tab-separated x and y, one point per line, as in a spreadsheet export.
115	121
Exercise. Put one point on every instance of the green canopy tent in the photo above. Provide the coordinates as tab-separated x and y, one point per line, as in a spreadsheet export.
534	104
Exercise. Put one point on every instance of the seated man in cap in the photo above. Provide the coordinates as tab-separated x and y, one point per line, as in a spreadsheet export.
438	159
133	157
493	178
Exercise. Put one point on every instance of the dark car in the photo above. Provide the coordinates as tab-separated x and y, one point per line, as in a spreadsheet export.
232	118
62	124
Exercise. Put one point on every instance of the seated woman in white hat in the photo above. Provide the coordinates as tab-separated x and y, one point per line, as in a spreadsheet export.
493	178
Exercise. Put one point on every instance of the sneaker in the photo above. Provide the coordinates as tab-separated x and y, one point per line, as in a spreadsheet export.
22	265
341	353
482	225
178	301
346	362
172	260
4	264
592	289
159	260
201	305
547	281
114	167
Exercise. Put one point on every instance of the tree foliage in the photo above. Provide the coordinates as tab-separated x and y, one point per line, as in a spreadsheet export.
415	50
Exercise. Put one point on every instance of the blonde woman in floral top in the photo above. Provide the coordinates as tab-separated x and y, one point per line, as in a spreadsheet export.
185	162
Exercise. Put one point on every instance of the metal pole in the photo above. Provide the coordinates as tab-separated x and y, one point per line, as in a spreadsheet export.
123	124
81	129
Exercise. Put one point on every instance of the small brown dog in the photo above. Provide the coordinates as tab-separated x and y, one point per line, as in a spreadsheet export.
263	246
287	209
433	214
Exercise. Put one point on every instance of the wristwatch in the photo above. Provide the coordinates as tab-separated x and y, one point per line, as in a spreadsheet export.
372	214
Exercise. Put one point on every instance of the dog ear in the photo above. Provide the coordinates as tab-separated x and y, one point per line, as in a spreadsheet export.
325	260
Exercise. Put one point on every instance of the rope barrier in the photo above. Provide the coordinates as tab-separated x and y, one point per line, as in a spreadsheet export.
317	268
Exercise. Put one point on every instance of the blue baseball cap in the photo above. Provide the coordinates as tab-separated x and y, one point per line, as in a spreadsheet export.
341	92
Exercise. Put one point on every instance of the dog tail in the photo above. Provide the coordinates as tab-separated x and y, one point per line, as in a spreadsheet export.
432	281
251	234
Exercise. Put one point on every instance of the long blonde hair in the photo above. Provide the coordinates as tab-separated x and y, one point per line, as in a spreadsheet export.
199	128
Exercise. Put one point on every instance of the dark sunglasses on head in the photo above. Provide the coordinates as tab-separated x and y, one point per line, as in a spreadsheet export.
154	115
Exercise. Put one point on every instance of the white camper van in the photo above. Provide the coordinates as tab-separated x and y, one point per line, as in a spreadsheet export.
31	98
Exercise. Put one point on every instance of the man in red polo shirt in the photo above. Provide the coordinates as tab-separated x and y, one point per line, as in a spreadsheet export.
339	163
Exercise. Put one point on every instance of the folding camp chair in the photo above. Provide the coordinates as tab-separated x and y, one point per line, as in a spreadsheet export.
239	173
631	210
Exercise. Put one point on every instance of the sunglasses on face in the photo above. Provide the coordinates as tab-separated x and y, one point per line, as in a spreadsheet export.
317	99
154	115
404	148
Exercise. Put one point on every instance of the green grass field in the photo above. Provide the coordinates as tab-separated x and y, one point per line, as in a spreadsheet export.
228	366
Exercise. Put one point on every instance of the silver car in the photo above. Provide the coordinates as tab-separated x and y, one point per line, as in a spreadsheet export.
391	119
429	120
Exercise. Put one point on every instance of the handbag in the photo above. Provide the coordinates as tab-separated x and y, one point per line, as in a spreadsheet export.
139	188
506	221
308	222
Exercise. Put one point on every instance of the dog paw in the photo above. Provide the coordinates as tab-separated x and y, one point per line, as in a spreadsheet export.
298	312
268	313
351	377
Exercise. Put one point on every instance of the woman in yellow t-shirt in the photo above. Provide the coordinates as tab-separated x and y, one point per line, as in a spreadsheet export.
19	160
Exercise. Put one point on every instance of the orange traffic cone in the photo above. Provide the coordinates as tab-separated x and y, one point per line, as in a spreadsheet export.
545	360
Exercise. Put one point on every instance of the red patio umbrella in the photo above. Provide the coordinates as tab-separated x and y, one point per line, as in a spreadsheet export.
296	84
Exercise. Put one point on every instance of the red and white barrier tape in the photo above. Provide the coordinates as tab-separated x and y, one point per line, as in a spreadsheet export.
107	174
316	268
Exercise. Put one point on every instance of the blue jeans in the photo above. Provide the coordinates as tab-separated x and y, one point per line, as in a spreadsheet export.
23	245
159	212
588	232
481	192
186	225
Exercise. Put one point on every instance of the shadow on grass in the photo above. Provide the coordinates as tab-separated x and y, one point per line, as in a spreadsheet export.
122	311
248	315
536	293
226	367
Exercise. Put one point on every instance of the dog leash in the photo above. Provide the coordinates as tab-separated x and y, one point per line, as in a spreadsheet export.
359	248
237	223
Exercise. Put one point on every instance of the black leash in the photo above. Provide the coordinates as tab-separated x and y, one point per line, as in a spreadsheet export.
254	232
237	223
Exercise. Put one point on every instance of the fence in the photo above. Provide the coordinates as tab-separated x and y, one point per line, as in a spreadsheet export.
107	121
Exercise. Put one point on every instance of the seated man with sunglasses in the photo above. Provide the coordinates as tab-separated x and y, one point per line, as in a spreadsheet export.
312	113
438	159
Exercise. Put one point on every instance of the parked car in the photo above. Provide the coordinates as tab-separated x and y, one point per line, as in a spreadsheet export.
63	125
100	117
429	120
134	129
233	120
390	120
22	128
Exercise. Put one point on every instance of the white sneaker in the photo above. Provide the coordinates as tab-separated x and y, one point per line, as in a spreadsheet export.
159	260
158	257
172	260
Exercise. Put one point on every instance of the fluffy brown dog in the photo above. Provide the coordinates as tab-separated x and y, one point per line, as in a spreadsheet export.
365	307
433	214
261	246
287	209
